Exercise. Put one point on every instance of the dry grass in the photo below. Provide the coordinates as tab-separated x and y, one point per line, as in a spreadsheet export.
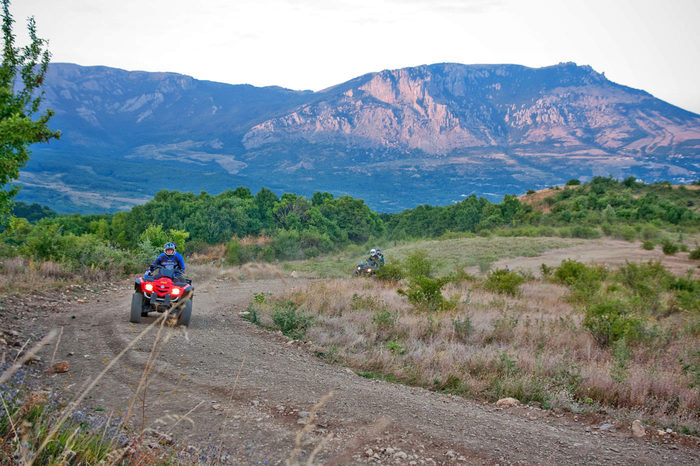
532	347
249	271
20	275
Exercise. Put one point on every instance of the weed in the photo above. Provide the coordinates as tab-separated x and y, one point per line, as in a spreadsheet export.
365	302
695	253
426	293
669	247
396	348
462	328
390	273
621	358
546	270
503	281
609	321
384	319
251	314
290	320
691	367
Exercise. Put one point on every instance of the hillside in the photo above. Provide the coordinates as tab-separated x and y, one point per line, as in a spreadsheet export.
397	138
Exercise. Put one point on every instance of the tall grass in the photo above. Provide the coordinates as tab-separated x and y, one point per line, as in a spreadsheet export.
447	254
532	345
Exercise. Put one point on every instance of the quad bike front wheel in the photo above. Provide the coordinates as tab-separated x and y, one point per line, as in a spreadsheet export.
136	308
185	314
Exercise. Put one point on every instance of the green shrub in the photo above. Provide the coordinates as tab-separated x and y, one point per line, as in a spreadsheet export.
546	270
290	320
669	247
695	253
390	273
503	281
648	245
396	348
610	321
647	282
581	231
463	328
233	252
418	265
579	276
384	319
426	293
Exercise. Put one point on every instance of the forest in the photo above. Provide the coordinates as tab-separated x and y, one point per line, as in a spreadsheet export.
268	227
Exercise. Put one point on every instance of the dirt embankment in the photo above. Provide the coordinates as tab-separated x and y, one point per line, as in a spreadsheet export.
248	393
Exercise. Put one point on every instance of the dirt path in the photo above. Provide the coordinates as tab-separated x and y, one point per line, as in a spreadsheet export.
612	253
249	392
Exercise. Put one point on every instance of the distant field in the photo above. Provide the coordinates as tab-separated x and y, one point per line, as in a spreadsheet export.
482	254
448	254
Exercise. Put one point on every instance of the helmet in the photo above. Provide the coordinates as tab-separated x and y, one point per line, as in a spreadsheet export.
372	252
379	251
169	246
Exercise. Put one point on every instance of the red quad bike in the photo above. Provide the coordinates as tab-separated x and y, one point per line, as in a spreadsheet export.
162	291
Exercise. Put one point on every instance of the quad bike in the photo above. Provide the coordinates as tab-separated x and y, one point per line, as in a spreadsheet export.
162	290
363	269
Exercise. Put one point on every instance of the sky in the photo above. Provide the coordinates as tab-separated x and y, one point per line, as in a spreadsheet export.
652	45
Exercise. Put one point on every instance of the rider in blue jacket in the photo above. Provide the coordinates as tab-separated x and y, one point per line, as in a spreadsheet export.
169	259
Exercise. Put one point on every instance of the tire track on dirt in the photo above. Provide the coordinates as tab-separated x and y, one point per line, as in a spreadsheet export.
249	419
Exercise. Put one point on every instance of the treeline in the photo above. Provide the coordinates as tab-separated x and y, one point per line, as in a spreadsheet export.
604	206
267	227
286	227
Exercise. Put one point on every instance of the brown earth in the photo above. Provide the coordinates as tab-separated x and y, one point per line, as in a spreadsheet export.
246	392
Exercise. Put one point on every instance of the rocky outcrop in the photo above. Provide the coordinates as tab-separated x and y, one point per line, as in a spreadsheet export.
446	108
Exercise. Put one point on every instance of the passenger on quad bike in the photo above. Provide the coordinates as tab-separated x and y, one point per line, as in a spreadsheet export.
168	259
381	257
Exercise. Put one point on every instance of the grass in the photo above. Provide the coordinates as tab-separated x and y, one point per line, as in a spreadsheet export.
532	345
447	254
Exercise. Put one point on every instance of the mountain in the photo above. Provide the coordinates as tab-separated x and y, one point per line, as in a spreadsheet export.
397	138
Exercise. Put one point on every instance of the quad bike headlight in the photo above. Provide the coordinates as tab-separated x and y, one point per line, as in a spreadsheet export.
175	291
148	286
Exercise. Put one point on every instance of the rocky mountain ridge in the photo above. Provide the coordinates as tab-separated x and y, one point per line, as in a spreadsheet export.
432	133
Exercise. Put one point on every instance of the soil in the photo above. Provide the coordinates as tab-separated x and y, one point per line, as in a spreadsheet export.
238	389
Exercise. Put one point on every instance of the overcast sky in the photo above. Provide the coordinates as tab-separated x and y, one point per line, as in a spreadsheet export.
313	44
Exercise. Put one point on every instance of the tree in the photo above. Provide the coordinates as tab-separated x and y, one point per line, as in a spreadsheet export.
21	76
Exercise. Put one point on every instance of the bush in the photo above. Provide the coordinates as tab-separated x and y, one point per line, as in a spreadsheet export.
669	247
648	245
233	252
580	231
463	328
647	282
695	253
573	182
584	281
426	293
390	273
503	281
418	265
290	321
610	321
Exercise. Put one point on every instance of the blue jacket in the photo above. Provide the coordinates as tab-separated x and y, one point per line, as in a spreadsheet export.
174	262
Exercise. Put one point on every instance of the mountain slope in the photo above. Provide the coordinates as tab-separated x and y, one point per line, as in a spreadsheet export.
396	138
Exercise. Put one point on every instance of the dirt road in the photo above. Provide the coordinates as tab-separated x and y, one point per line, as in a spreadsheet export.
247	392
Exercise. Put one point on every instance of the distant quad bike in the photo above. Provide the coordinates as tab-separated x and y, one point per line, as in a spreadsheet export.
364	270
162	291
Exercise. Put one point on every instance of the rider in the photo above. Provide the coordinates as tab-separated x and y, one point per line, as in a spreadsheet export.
169	259
381	257
373	259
